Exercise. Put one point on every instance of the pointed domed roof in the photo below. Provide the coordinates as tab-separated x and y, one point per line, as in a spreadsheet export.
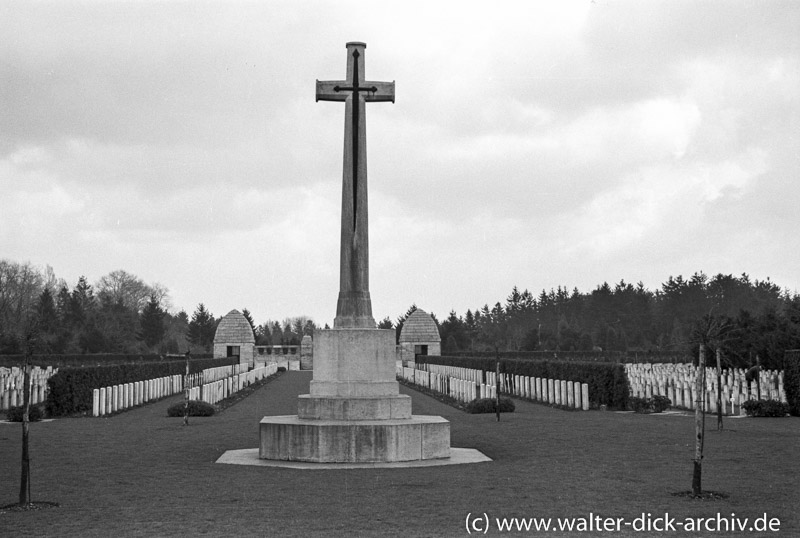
234	328
420	327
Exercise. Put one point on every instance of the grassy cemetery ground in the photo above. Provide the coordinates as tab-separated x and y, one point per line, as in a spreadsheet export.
140	473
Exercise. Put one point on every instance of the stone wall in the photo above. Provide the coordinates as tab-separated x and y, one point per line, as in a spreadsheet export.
406	351
246	351
307	353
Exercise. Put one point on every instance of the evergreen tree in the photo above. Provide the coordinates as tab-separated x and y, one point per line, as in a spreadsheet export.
82	303
87	336
249	318
276	333
48	324
202	328
398	327
151	321
119	325
177	329
453	333
63	305
46	312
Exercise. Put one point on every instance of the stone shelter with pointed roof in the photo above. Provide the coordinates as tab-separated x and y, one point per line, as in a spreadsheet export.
419	336
234	336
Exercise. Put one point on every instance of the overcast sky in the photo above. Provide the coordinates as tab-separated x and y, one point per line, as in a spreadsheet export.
534	144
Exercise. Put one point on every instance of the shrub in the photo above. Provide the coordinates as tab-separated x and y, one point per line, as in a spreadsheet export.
656	404
197	408
281	368
766	408
660	403
489	405
639	405
791	381
15	414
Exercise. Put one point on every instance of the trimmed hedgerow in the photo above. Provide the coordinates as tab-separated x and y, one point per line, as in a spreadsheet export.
197	408
791	381
15	414
583	356
70	390
489	405
608	383
80	360
766	408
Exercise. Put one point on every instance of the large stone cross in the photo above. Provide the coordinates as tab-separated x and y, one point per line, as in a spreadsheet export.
354	306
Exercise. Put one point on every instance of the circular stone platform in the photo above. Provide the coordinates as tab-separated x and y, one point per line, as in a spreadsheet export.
249	456
289	437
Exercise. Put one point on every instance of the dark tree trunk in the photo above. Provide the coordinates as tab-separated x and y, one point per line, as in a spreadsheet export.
497	387
699	423
186	392
719	389
25	476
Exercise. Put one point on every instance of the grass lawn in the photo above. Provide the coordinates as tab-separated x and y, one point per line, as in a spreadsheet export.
141	473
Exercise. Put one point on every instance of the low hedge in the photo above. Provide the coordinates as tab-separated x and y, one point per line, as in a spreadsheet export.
766	408
608	382
489	405
583	356
70	389
656	404
197	408
80	360
15	414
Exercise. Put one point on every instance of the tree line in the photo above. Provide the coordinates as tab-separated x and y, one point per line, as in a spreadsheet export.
751	321
119	313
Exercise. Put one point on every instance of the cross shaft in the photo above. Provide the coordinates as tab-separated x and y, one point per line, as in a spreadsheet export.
354	307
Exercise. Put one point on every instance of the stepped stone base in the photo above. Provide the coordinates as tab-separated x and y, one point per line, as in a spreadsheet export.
354	412
365	408
292	438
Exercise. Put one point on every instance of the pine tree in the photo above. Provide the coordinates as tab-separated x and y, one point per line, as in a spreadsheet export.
82	302
151	321
46	312
398	327
249	318
202	328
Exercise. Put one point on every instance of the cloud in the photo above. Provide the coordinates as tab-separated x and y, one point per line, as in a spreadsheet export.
533	144
660	205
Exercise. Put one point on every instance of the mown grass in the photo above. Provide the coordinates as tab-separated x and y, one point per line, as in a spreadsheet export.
141	473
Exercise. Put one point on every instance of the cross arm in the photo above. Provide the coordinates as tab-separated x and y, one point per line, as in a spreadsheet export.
385	91
325	91
372	91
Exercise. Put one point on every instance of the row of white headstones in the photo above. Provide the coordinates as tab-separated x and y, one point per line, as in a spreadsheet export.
211	386
12	382
468	384
678	383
